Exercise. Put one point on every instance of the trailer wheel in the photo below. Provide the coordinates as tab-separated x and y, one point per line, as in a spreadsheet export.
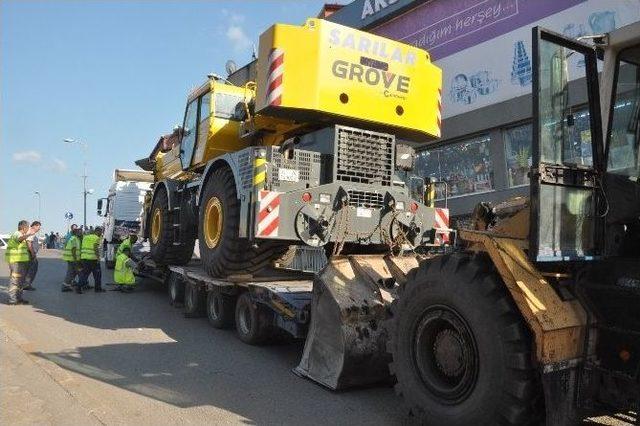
194	300
252	323
461	351
220	309
175	288
164	247
222	251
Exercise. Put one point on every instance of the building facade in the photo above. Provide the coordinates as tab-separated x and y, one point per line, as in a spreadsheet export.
484	50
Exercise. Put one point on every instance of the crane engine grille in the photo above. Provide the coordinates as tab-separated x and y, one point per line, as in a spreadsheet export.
364	157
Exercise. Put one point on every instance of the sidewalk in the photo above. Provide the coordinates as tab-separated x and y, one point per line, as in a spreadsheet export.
28	395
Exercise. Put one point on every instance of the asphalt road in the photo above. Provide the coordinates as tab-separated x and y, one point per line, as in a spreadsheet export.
114	358
132	358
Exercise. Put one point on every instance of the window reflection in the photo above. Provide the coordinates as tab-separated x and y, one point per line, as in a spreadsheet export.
465	166
517	142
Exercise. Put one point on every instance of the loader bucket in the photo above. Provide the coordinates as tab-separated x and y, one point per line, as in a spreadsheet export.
346	343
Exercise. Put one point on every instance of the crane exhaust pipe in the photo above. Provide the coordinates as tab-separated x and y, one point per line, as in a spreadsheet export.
346	343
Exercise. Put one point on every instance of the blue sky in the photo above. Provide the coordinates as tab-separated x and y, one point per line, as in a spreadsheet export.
114	74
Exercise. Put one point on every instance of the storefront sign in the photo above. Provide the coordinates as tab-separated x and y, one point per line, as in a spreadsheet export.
444	27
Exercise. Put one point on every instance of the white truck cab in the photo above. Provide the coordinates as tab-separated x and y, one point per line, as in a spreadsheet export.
122	209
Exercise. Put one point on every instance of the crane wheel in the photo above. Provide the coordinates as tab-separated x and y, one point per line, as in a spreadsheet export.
165	249
220	309
253	324
222	251
461	351
194	300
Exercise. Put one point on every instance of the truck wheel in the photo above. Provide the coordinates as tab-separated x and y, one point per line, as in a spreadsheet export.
165	249
222	251
252	323
461	351
220	309
194	300
175	288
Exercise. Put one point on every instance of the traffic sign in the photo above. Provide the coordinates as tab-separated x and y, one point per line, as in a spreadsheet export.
68	215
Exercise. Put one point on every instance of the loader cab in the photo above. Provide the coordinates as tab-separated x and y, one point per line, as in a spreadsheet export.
211	123
585	189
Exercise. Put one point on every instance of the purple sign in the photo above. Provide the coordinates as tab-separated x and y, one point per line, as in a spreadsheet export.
444	27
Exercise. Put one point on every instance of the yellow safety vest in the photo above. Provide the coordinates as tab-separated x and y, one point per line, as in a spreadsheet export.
123	272
89	243
67	254
17	251
125	244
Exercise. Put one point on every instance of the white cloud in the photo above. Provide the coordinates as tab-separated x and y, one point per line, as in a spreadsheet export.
234	18
238	38
30	156
57	165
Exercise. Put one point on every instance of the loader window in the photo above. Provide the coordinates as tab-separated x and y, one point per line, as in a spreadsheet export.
226	104
565	135
189	134
205	107
624	139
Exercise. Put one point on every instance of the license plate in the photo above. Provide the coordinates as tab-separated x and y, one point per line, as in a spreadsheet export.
362	212
288	175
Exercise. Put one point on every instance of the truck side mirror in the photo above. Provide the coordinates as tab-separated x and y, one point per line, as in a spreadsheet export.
101	205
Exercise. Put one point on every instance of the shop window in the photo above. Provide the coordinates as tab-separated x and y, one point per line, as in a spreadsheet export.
465	166
517	143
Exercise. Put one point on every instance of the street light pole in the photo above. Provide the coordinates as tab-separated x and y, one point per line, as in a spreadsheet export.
39	203
84	177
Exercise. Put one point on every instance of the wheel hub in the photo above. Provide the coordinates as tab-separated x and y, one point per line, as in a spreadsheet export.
213	222
445	354
156	225
448	351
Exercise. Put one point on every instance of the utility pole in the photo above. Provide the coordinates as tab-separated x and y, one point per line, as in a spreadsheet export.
84	177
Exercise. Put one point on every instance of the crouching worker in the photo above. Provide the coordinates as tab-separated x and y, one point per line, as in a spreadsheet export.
123	273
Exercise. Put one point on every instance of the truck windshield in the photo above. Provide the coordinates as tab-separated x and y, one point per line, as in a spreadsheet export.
624	136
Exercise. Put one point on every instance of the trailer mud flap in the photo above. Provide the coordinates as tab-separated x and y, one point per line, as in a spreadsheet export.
346	343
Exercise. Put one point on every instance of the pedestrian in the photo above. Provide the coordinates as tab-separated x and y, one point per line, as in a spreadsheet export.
33	243
17	256
123	273
45	241
58	241
90	258
71	255
52	241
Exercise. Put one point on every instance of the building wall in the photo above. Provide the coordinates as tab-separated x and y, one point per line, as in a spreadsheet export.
484	49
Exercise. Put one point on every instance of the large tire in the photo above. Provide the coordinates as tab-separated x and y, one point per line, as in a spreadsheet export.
253	324
222	251
194	300
165	249
461	352
175	288
220	309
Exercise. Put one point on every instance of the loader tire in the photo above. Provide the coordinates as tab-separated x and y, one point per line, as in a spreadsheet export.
175	288
461	351
253	324
194	300
220	309
222	251
165	249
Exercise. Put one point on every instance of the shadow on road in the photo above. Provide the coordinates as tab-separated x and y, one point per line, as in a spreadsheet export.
193	364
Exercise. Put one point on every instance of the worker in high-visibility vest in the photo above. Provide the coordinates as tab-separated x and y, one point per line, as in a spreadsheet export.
17	256
123	273
71	255
127	243
90	258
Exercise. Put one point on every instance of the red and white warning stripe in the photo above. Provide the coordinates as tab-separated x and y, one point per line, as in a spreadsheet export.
269	214
441	224
274	79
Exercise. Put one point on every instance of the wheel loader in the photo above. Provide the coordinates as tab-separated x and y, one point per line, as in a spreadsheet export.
536	318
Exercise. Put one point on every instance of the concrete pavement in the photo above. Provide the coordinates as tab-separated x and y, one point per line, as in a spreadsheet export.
118	358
